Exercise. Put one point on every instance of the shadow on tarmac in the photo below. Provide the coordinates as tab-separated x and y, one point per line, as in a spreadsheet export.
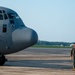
53	64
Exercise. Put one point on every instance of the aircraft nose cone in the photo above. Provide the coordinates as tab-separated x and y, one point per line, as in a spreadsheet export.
31	37
23	38
34	37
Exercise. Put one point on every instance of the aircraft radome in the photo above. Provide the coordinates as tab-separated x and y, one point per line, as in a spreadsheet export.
14	35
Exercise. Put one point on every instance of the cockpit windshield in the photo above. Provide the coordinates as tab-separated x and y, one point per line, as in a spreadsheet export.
11	15
5	16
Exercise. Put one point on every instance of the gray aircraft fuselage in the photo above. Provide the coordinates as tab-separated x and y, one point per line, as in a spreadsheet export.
14	35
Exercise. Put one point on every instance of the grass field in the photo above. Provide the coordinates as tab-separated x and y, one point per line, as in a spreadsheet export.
48	46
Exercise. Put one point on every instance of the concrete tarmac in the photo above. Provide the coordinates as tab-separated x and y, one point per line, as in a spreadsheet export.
39	61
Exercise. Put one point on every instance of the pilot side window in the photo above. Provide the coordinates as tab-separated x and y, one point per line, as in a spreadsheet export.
4	28
1	17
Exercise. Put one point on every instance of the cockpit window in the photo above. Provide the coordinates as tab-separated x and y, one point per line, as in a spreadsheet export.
11	15
3	11
17	17
0	11
5	16
1	17
12	22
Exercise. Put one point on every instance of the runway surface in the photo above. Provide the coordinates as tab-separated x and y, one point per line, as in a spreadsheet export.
39	61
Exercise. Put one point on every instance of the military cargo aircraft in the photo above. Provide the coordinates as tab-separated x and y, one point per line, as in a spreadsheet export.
14	35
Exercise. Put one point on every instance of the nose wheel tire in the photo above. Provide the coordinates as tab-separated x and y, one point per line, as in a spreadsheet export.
2	59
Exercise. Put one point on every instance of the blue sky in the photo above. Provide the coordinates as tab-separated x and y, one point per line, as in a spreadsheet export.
53	20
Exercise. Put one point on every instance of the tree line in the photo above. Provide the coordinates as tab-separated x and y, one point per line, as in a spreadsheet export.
54	43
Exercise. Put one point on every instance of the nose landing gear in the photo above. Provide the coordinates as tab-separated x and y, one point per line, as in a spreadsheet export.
2	59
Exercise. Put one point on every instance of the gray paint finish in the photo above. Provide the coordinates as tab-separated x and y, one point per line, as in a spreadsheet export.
16	36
